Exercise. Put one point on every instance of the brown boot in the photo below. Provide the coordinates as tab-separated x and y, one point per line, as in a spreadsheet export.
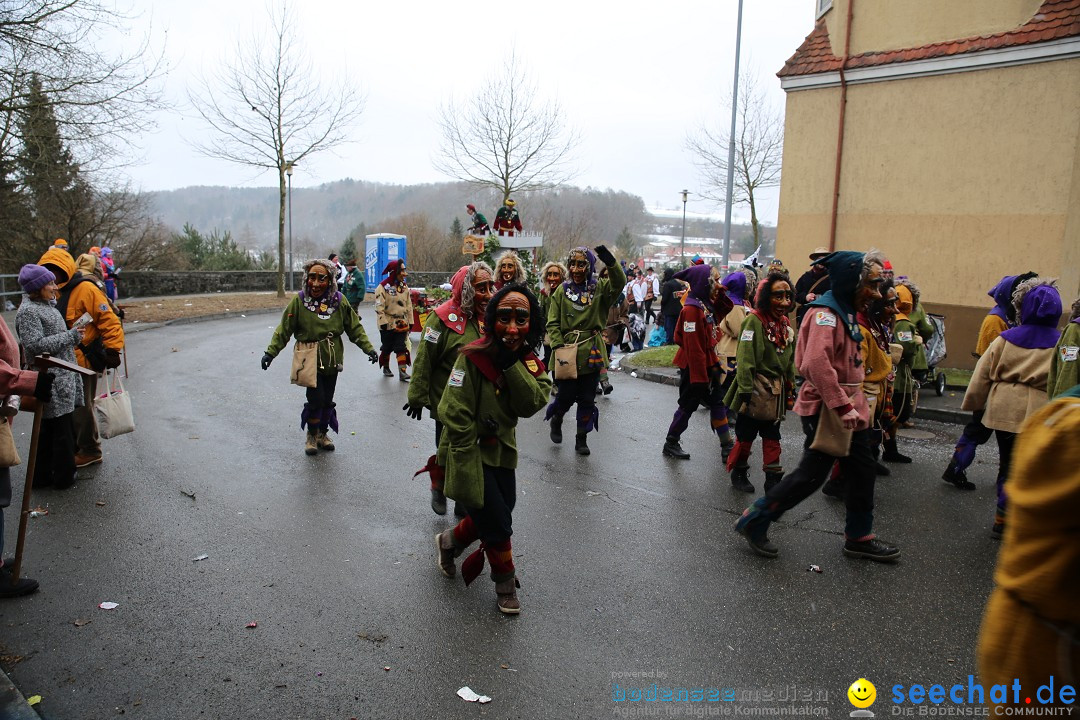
310	445
323	441
506	591
444	543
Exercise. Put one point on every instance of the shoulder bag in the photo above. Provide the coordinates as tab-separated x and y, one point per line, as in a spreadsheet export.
305	364
566	358
9	456
767	400
832	438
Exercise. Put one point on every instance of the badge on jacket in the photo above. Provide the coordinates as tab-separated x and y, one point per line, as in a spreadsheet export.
457	378
905	336
689	326
747	336
1069	353
432	335
825	318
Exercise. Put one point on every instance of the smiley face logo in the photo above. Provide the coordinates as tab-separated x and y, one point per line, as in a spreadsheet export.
862	693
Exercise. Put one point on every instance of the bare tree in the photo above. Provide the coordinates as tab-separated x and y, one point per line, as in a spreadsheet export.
101	98
759	146
267	109
505	138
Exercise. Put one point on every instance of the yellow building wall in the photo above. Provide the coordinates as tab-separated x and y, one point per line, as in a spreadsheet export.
960	179
900	24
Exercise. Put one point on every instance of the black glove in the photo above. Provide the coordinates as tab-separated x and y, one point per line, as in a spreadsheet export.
744	399
267	358
43	389
120	313
413	411
112	358
490	425
373	357
605	255
505	357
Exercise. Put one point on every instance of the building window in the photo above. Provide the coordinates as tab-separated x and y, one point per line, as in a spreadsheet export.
823	7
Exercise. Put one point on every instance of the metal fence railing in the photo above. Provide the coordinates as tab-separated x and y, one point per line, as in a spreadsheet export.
9	290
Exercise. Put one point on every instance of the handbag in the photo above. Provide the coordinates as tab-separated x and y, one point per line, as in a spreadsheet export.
767	400
113	408
832	438
305	364
9	456
566	359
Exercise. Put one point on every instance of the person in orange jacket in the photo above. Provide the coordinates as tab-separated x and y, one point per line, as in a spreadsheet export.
100	348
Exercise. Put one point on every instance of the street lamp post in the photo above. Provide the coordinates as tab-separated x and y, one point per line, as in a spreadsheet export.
682	243
731	141
292	279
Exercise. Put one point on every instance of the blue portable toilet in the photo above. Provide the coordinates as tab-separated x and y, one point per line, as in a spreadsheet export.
380	250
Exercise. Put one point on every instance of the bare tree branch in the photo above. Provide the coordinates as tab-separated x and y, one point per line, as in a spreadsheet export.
266	109
101	99
759	147
506	139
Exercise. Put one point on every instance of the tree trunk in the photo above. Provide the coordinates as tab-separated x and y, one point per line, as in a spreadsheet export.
281	233
754	221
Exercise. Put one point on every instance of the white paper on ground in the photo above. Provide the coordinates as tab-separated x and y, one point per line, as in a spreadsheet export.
468	695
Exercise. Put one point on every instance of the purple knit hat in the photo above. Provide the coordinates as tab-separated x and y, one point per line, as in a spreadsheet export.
34	277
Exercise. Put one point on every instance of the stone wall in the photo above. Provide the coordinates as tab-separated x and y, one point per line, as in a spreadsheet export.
153	283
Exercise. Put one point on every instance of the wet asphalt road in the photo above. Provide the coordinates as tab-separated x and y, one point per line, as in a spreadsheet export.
627	562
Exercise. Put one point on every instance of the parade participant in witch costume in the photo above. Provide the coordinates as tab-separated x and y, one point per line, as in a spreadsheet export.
577	316
507	219
765	363
700	378
552	275
875	324
827	355
1010	380
454	324
393	306
480	223
508	269
495	381
998	320
320	314
1065	367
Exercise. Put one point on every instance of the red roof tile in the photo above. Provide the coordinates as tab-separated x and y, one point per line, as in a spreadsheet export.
1055	19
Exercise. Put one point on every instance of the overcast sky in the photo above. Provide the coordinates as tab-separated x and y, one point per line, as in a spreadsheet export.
632	76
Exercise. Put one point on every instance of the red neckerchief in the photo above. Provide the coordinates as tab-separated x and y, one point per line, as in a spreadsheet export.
486	365
776	330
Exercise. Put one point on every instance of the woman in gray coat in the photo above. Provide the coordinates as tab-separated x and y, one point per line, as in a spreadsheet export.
41	329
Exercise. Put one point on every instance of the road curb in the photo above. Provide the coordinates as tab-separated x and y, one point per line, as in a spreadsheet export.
133	328
13	705
669	376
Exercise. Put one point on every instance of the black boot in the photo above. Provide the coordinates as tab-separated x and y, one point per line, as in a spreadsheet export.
556	429
891	454
957	478
438	501
672	448
772	479
740	480
581	444
459	510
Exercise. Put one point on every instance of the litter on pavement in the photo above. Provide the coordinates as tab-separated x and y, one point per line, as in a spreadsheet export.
468	695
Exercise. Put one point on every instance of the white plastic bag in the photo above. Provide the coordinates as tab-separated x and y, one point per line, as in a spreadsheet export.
113	408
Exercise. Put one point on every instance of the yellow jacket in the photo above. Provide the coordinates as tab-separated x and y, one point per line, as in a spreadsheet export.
1038	569
86	297
992	326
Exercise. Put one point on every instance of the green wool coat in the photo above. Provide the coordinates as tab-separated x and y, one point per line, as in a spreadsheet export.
480	420
925	328
303	324
435	359
755	354
565	316
1065	367
904	333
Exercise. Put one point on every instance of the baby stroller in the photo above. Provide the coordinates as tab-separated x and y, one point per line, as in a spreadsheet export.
935	353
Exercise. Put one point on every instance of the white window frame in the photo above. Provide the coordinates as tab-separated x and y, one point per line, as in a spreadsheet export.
823	6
